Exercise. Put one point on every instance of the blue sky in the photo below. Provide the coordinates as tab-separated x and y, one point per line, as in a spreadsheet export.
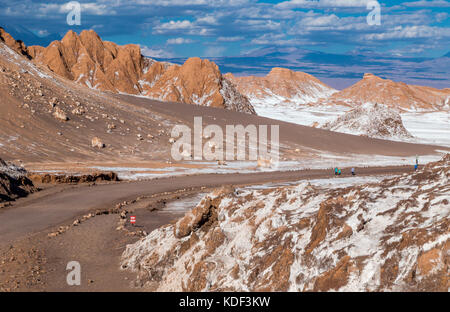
327	38
214	28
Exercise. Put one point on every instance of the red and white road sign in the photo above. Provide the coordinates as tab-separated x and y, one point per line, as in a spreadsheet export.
133	220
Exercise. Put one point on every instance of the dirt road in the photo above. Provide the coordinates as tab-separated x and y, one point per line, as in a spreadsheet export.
48	211
96	243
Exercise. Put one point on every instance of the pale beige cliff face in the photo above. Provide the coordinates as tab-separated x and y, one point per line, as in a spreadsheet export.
285	84
187	82
373	89
106	66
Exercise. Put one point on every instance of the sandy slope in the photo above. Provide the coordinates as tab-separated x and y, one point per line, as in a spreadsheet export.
308	139
45	118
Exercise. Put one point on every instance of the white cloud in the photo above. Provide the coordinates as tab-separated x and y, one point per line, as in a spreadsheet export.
179	41
158	53
89	8
175	25
440	17
320	21
181	27
427	4
207	20
189	3
323	4
230	39
411	32
259	25
42	33
214	51
267	39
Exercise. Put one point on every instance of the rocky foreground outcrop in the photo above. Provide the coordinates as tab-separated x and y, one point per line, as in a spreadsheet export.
387	236
13	182
372	120
106	66
74	179
16	45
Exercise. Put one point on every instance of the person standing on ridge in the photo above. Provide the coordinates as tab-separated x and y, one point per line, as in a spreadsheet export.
353	172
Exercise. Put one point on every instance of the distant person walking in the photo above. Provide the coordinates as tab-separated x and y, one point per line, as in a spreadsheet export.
416	166
336	170
353	172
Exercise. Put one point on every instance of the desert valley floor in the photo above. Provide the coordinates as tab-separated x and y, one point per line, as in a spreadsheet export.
82	151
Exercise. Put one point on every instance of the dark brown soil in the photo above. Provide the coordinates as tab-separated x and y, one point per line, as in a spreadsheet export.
87	178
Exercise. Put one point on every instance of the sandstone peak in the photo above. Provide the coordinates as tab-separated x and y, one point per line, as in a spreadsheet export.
197	82
229	76
70	36
89	34
16	45
282	85
196	61
398	95
277	70
369	75
106	66
195	64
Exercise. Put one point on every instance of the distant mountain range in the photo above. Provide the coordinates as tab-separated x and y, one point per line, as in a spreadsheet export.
338	70
28	37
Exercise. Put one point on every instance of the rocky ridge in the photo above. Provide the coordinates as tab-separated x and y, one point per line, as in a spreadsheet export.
282	86
106	66
47	116
13	182
397	95
391	235
372	120
16	45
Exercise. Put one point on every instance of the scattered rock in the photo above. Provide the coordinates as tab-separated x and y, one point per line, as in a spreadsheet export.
97	142
60	114
78	111
87	178
53	102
